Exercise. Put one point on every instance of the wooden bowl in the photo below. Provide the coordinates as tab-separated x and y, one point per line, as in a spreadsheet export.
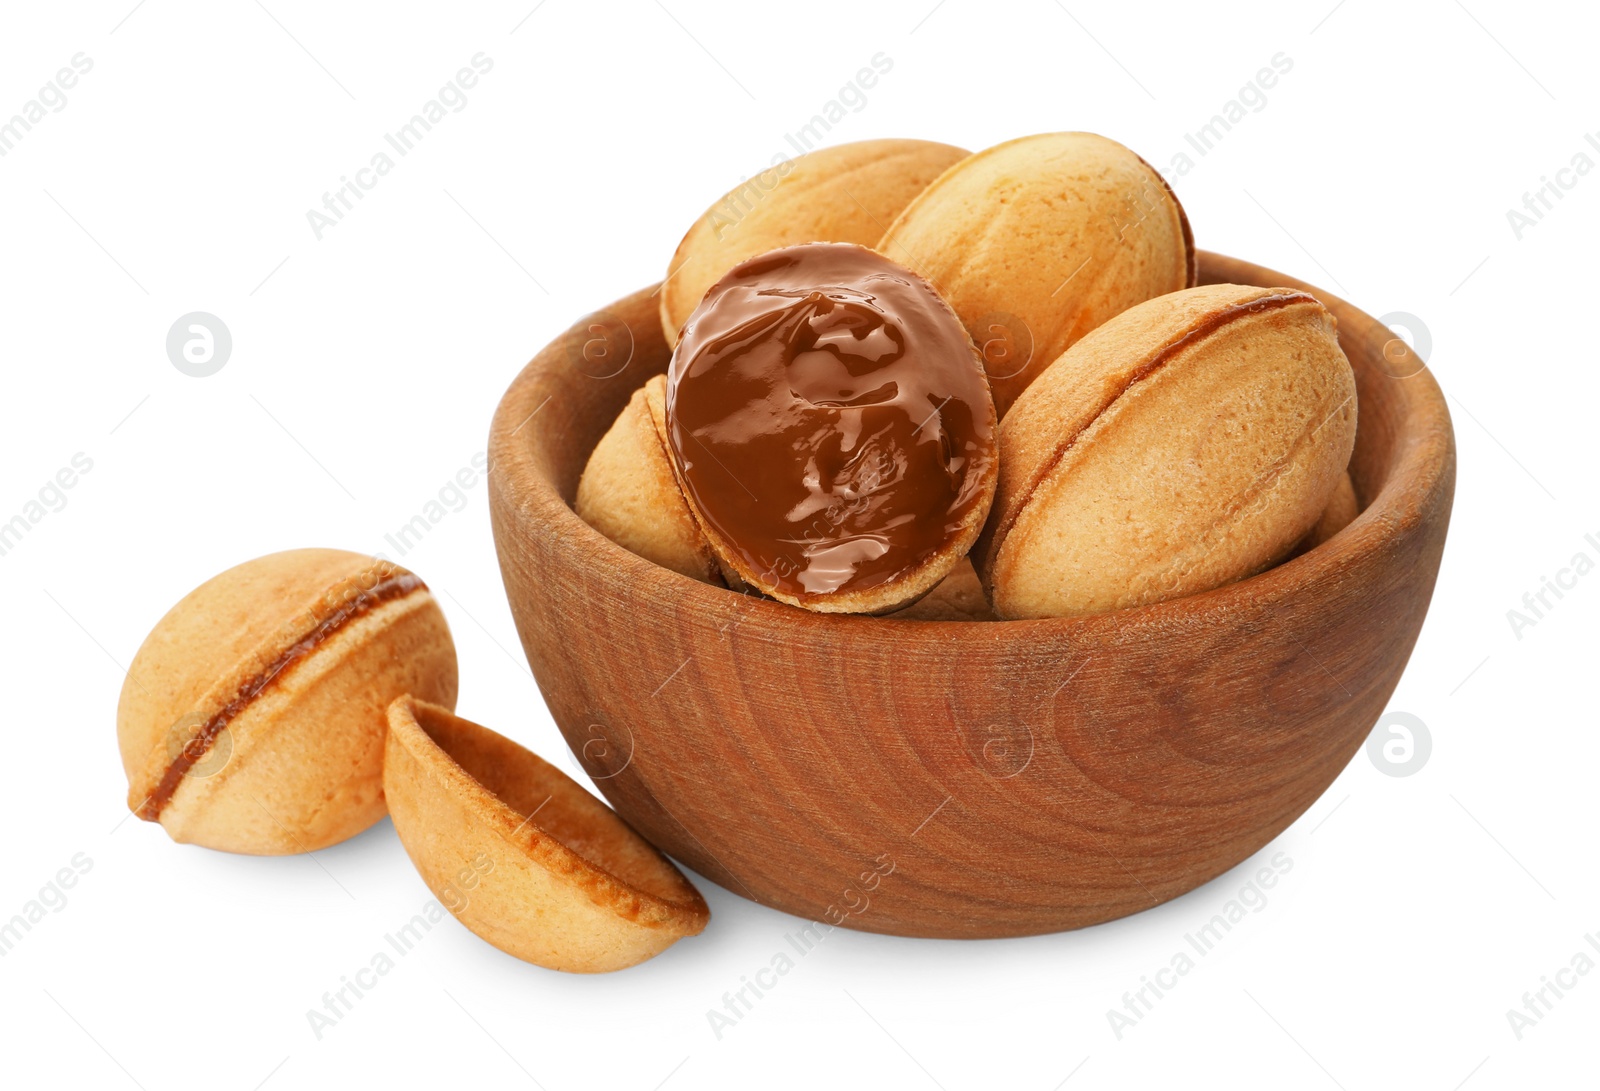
962	779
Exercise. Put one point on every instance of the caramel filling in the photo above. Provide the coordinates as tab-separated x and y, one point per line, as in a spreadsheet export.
392	583
829	419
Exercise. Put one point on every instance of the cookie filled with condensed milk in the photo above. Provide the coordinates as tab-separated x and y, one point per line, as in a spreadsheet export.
830	424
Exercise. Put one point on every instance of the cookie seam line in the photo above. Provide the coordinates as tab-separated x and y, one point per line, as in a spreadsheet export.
1211	324
393	588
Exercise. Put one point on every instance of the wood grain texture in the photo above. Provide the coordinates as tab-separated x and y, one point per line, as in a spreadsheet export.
1018	777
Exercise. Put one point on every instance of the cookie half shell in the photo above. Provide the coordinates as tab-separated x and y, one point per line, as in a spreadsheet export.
522	855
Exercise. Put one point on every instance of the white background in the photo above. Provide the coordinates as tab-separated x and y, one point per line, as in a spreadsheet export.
365	369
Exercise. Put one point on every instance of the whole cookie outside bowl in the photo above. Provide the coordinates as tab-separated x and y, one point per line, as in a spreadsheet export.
966	779
253	716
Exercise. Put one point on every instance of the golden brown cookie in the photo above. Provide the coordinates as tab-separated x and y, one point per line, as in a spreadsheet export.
1189	442
1037	241
627	491
253	716
847	193
522	855
959	597
1342	509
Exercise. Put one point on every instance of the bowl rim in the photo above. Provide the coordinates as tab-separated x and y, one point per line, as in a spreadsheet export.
1421	468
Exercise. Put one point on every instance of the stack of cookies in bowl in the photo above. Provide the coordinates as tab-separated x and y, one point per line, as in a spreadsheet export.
911	381
947	547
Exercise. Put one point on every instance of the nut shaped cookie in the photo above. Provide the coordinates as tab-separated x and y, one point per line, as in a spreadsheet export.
252	719
1037	241
627	491
522	855
846	193
1342	509
958	597
1187	443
